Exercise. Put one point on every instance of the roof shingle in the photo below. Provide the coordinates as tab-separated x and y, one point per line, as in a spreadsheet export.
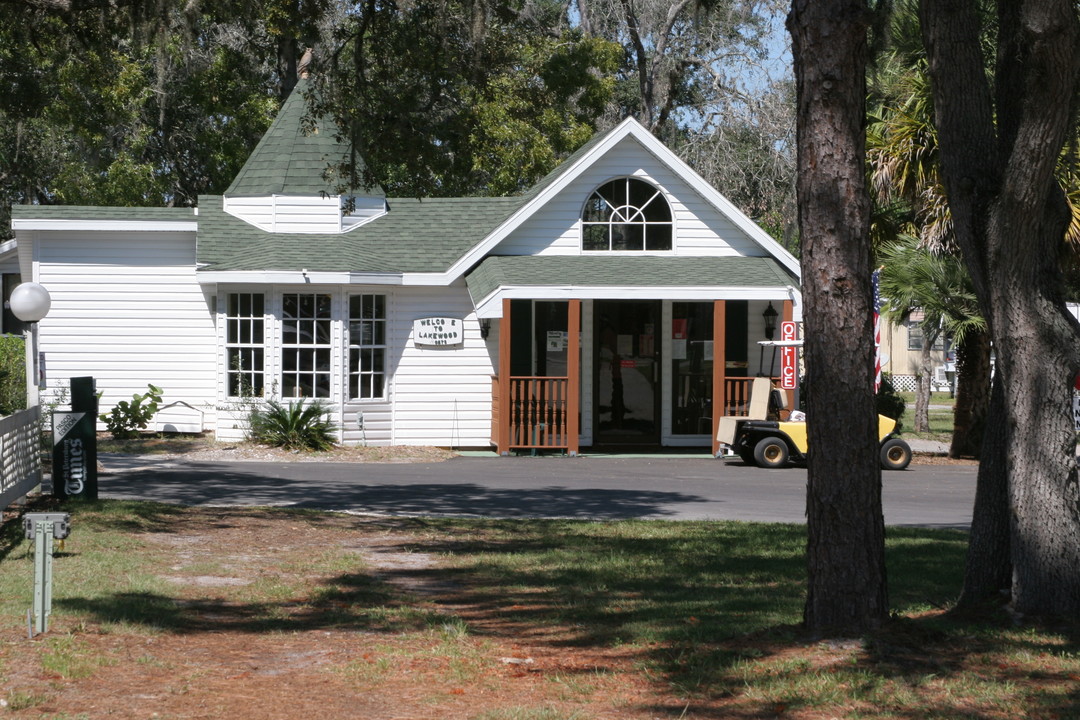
295	157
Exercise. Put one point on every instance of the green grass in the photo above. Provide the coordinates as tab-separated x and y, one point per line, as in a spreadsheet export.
941	418
708	609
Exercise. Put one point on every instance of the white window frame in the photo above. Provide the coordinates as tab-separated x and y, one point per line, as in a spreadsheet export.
628	216
366	348
245	345
312	339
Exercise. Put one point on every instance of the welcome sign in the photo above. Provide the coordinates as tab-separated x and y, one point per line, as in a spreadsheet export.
438	332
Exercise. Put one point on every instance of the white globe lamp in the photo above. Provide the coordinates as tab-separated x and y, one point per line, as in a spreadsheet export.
30	302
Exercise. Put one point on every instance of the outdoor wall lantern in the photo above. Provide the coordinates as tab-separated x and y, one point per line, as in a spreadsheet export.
485	329
770	316
30	302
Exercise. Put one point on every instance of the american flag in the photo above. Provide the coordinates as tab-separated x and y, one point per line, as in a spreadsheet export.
877	330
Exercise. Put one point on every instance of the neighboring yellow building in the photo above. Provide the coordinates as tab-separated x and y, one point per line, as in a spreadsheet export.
901	349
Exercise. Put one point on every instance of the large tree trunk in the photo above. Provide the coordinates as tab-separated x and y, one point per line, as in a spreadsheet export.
846	591
972	396
988	570
1010	219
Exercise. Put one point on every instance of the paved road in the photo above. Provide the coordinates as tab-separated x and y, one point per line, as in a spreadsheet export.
598	488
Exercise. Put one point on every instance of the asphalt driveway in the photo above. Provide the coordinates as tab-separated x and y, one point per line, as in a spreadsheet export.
594	488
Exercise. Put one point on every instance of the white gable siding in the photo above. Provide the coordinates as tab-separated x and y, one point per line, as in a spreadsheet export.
291	213
258	211
307	214
701	230
128	311
442	395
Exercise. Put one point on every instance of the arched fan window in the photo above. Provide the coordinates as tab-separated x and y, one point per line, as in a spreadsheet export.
626	214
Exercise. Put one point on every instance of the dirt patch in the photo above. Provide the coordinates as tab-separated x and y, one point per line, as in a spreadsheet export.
383	637
203	447
938	459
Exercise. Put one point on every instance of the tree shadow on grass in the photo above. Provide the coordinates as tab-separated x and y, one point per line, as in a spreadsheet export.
712	608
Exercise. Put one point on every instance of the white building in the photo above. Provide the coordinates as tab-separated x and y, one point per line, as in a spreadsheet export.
619	301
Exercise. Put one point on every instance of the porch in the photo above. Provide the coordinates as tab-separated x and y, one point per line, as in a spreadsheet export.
544	411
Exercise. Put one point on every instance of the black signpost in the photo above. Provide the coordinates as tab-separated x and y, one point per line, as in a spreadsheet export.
75	444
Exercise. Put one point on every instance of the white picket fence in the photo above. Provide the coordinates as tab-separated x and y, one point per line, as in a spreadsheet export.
20	454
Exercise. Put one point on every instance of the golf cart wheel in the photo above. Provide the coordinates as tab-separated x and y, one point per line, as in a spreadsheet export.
771	452
895	454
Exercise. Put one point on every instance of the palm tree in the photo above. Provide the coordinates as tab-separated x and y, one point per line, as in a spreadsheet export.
937	285
903	165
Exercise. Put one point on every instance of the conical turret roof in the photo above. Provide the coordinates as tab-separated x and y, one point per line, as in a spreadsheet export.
292	159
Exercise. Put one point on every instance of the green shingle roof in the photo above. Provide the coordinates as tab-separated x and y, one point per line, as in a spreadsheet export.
414	236
294	157
89	212
621	270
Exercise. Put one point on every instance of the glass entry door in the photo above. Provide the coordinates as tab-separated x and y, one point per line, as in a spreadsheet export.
627	372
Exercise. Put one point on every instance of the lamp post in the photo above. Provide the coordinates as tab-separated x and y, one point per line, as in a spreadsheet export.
30	302
769	316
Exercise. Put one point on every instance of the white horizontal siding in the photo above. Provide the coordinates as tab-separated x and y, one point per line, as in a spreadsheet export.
441	396
701	230
434	396
128	311
258	211
307	216
288	213
378	424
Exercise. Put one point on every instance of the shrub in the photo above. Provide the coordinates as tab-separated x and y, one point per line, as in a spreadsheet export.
12	374
296	426
126	419
889	403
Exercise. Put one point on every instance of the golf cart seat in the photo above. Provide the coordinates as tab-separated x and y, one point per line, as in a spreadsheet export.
777	404
758	409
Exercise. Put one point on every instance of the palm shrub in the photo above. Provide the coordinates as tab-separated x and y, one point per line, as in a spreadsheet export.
297	426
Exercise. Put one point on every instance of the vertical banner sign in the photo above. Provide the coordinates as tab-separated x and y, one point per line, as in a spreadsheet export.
74	469
789	357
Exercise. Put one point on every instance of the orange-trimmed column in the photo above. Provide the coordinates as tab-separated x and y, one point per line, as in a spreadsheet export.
503	445
719	369
573	372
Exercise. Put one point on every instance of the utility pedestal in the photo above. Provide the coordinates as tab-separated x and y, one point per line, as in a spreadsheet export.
44	528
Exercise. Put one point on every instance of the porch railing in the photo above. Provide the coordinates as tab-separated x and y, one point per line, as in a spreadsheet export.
20	454
539	412
538	409
737	395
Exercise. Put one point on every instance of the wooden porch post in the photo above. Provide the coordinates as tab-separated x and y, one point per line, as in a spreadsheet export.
573	371
719	369
503	444
788	314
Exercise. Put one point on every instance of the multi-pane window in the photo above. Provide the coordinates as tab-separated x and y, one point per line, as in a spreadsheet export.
626	214
244	326
305	345
367	346
915	337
